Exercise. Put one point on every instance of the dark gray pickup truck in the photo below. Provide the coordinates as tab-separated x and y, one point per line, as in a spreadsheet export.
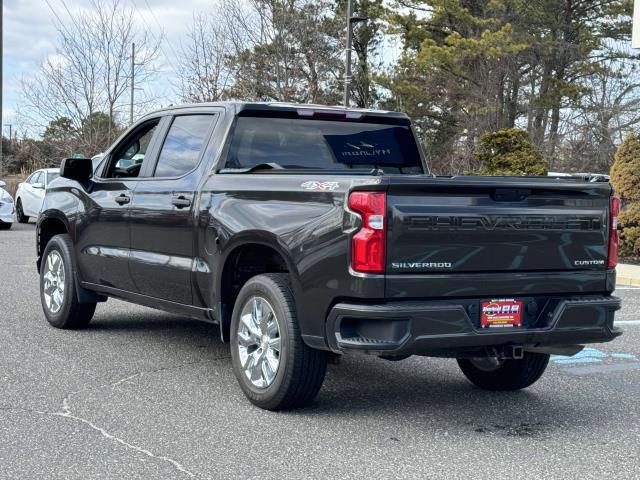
306	232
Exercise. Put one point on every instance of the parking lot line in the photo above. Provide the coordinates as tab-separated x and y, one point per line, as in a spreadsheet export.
626	322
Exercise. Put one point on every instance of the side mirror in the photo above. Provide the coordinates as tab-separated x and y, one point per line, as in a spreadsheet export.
2	184
78	169
38	185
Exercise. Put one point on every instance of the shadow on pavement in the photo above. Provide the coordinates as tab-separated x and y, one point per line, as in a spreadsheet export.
428	393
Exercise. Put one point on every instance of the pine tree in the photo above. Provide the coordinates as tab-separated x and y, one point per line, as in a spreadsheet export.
509	152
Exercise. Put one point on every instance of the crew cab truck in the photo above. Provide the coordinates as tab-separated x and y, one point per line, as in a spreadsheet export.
307	232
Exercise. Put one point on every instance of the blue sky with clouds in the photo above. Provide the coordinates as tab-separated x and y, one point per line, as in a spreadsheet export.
29	38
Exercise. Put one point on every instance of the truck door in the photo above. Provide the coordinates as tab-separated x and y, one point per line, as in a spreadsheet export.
162	214
104	238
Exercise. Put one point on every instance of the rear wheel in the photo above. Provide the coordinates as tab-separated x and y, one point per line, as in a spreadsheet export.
504	374
58	288
22	218
5	226
274	367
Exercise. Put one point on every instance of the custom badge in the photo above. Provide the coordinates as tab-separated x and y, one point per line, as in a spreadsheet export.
320	186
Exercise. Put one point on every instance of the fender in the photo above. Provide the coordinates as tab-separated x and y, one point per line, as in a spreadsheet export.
50	214
258	237
250	237
84	295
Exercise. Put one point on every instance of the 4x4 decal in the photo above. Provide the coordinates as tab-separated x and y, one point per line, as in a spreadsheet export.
320	186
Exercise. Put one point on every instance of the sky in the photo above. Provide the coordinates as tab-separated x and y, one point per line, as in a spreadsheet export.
30	35
29	39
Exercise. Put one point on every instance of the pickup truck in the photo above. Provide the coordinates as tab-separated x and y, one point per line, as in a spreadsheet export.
308	232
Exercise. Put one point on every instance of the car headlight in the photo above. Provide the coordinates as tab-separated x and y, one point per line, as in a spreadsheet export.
5	197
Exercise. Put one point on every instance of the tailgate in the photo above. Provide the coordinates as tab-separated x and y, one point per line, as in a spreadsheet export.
490	224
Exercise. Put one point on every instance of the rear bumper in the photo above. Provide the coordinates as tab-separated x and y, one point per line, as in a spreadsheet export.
447	328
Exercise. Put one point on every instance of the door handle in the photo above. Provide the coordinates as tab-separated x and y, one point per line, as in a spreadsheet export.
122	199
181	201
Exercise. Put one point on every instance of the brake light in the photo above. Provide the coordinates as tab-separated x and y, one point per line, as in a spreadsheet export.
614	211
329	114
368	245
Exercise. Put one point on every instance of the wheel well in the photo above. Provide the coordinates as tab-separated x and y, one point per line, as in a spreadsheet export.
243	263
48	229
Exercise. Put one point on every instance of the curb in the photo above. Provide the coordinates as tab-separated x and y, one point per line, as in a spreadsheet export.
627	281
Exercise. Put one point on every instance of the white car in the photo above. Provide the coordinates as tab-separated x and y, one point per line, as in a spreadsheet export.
7	209
30	193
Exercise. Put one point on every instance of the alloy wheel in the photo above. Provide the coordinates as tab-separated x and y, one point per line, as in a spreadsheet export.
53	287
259	342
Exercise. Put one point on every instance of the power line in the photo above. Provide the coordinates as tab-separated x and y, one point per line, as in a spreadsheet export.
55	14
157	39
159	26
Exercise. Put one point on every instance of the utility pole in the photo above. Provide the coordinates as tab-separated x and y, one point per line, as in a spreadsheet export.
133	66
1	87
347	63
635	28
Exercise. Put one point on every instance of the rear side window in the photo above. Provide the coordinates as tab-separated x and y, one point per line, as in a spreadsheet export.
35	178
323	144
183	145
51	176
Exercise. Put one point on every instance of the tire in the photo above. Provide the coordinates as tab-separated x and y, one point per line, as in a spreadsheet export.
62	310
22	218
300	370
5	225
510	374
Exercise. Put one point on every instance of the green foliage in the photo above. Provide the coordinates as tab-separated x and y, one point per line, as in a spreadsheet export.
295	56
509	152
59	130
625	176
629	231
479	66
625	172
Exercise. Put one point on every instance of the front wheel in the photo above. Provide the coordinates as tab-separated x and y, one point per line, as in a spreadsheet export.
58	288
5	226
274	368
504	374
20	216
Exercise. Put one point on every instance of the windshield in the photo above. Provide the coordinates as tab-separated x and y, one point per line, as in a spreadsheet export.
322	144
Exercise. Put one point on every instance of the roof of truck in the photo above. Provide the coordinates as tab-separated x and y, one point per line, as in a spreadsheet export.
264	107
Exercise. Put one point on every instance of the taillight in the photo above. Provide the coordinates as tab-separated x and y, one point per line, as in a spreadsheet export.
614	211
368	245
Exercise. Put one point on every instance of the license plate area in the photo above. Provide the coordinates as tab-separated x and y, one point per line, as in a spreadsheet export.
501	313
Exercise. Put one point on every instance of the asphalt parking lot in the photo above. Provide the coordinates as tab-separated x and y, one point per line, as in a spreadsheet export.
144	394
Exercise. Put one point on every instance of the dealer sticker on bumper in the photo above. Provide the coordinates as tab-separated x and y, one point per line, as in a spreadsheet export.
501	313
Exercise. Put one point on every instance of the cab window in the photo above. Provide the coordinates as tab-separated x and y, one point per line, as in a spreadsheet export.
183	145
126	160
